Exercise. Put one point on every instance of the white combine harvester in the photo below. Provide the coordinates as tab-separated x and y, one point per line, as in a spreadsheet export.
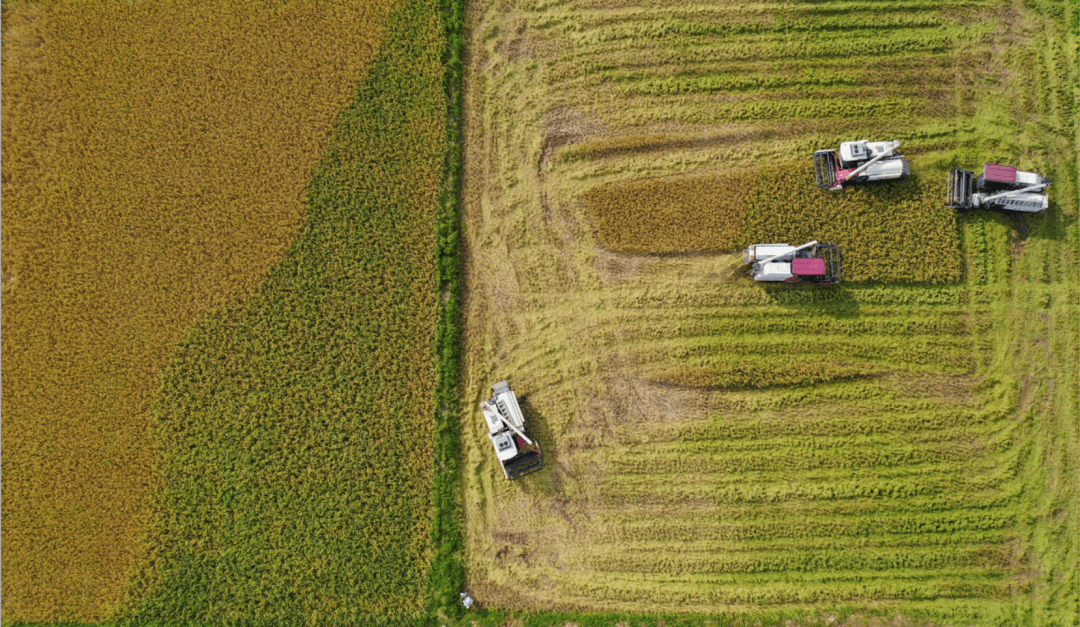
811	262
859	162
998	187
517	454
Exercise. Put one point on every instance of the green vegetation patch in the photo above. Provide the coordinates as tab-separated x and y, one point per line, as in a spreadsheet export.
296	429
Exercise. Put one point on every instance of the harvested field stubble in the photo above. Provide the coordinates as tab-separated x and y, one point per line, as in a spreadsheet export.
767	453
155	157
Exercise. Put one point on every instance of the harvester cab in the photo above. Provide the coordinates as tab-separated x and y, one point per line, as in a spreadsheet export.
812	262
517	454
998	187
859	162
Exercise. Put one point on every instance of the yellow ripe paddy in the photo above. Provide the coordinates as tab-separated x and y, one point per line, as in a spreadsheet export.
155	163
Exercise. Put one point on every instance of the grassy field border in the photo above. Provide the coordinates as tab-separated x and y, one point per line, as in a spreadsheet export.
447	569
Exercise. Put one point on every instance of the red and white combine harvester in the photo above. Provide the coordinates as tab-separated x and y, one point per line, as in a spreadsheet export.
859	162
998	187
517	454
812	262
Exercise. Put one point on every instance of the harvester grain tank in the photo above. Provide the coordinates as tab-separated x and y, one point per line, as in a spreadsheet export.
998	187
859	162
811	262
517	454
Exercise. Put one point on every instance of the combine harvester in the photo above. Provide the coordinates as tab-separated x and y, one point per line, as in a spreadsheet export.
859	162
811	262
506	429
998	187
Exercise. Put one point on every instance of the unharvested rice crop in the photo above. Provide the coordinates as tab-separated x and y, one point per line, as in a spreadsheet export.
155	157
897	232
296	428
701	213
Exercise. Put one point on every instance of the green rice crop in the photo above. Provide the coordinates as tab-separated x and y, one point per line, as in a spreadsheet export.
296	428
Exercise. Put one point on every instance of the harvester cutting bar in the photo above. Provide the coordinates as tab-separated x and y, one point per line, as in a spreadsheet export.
958	189
831	254
526	463
825	168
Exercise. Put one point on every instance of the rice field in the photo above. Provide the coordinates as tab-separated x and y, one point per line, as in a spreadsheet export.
231	295
295	429
899	445
156	158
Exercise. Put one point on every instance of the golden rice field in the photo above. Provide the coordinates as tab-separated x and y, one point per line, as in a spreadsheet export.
696	213
155	157
902	445
670	215
230	286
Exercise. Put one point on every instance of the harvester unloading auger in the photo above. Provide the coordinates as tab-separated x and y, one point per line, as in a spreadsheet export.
811	262
517	454
998	187
859	162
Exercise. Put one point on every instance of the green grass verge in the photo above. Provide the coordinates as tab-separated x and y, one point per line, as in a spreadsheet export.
447	572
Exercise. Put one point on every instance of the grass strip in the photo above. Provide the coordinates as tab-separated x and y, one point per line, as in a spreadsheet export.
447	571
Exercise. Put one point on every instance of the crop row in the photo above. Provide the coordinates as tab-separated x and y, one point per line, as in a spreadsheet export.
658	506
917	558
604	64
676	460
885	323
760	482
930	527
773	49
844	300
712	591
763	375
904	351
858	30
648	541
833	426
832	485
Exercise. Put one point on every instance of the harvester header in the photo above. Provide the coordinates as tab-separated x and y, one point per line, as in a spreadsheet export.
998	187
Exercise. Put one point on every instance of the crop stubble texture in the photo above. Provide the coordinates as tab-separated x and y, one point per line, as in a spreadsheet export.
155	160
717	446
